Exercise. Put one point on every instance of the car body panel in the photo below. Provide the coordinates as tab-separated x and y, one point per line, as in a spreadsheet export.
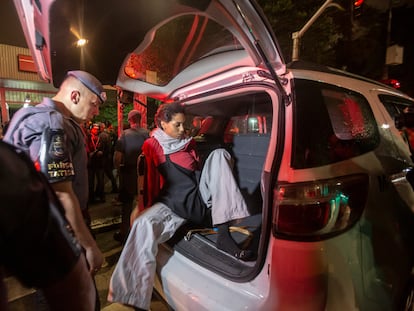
31	21
342	270
194	290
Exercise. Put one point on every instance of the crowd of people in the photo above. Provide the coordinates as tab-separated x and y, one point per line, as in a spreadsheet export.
114	159
74	156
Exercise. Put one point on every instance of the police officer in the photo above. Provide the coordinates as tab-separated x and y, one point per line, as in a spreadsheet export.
50	133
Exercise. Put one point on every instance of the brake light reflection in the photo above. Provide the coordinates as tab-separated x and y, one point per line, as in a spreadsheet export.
318	209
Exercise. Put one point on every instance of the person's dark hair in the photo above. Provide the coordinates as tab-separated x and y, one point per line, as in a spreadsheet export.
166	111
134	117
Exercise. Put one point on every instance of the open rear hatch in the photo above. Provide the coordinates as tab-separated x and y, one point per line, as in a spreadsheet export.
146	46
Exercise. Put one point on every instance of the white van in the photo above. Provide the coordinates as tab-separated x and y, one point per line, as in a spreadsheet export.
319	159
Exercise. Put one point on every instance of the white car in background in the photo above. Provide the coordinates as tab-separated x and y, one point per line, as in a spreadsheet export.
319	159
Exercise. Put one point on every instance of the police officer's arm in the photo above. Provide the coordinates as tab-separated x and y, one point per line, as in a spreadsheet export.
73	213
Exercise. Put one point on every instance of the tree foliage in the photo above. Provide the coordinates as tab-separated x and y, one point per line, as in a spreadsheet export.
334	39
287	16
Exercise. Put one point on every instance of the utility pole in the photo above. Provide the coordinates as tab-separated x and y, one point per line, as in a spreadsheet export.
296	36
388	40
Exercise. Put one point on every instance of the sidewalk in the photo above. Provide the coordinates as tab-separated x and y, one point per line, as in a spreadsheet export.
105	215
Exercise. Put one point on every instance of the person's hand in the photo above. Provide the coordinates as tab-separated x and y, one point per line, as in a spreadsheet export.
95	259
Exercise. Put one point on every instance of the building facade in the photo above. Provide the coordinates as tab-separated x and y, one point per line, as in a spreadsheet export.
20	83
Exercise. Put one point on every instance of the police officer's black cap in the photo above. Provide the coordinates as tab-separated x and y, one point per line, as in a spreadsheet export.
90	82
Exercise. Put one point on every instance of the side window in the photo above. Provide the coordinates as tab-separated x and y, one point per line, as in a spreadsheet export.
331	124
250	124
394	105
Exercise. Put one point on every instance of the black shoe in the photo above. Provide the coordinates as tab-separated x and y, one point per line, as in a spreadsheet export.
242	254
226	243
245	255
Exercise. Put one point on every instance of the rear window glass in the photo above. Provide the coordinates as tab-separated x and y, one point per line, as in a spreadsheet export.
331	124
176	45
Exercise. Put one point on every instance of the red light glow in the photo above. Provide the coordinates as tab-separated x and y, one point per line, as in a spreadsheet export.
392	82
358	3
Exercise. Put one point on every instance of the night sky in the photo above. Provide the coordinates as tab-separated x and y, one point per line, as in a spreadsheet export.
402	34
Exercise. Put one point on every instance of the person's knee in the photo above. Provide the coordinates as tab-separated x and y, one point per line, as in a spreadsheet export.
141	220
220	157
220	153
150	218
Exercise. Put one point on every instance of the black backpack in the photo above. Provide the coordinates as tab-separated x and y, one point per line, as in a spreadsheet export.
37	243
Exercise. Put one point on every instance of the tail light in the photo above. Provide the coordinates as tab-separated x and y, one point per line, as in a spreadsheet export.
317	210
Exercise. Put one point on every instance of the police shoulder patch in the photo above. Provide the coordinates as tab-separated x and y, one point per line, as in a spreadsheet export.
54	158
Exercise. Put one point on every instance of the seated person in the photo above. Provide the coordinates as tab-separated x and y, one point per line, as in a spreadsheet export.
182	197
195	126
37	244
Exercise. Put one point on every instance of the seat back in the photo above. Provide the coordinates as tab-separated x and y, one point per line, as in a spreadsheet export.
249	151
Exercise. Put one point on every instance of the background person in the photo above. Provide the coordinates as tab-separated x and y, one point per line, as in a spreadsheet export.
96	158
181	198
127	150
195	126
108	130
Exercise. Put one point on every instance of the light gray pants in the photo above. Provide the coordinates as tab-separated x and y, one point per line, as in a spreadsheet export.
133	278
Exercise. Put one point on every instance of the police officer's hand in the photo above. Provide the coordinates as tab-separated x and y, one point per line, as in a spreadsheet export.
95	259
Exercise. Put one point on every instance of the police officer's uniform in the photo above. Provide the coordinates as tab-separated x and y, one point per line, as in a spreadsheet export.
65	144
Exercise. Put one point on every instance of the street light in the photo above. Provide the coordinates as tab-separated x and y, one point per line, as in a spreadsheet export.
81	42
296	36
